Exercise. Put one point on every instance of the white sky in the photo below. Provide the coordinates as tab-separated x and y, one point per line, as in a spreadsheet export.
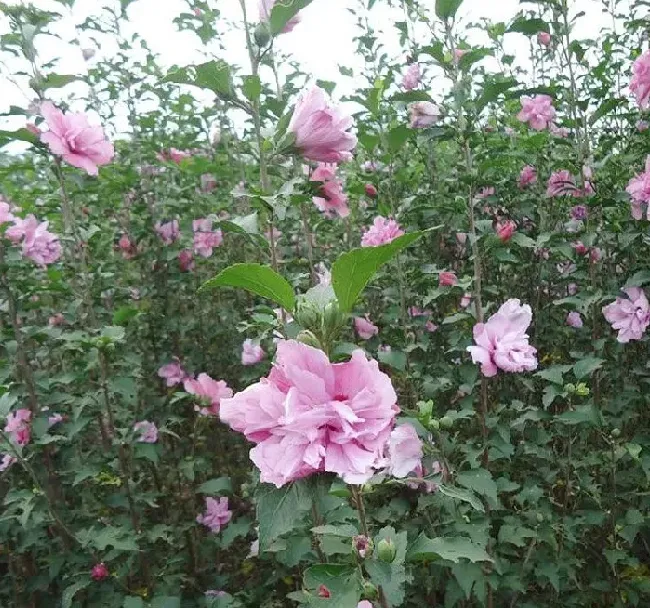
321	42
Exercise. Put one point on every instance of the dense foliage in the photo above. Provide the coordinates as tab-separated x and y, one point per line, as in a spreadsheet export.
442	294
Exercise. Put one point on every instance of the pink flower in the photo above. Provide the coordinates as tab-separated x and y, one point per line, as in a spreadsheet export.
561	183
642	125
18	426
265	7
562	132
56	320
466	300
216	514
371	191
365	328
332	200
251	353
595	254
6	462
172	373
447	279
321	129
361	545
527	177
502	342
148	431
72	137
580	248
404	451
412	77
431	327
459	54
208	182
537	111
639	191
32	128
544	38
168	232
99	572
5	213
640	83
175	155
574	319
630	316
54	419
39	245
423	114
205	239
415	312
579	213
310	415
382	232
364	604
186	260
127	248
209	391
485	192
505	230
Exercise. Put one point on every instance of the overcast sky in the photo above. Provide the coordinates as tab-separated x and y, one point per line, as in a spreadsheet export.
321	42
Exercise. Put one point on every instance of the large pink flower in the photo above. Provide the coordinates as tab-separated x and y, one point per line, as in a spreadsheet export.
630	316
217	515
382	232
537	111
423	114
332	200
639	191
40	245
502	342
265	7
412	77
562	183
321	129
404	451
18	426
209	391
527	177
640	83
365	328
251	353
73	138
205	239
311	415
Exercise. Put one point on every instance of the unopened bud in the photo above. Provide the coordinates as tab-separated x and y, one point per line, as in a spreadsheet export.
262	35
370	591
446	422
386	550
582	390
362	546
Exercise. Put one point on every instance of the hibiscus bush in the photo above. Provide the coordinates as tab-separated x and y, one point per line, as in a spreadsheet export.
273	341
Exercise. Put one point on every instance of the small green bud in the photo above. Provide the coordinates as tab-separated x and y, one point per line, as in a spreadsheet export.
262	35
370	591
582	390
333	319
446	422
386	550
434	424
307	315
570	388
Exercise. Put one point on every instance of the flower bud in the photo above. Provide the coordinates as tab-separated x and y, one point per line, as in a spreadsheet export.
386	550
371	190
446	422
570	388
307	315
370	591
582	390
262	35
362	546
333	318
308	338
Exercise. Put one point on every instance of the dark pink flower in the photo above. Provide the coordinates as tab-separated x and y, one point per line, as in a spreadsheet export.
99	572
127	248
447	279
72	137
186	260
371	191
544	38
208	182
332	201
505	229
562	183
579	213
580	248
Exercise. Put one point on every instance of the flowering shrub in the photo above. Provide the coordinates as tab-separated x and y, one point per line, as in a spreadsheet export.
271	341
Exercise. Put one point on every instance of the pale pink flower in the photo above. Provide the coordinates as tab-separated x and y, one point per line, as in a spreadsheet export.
447	279
208	183
5	213
572	289
574	319
595	254
99	572
265	7
186	260
18	426
544	38
126	247
365	328
168	232
382	232
217	515
537	111
485	192
505	230
430	326
251	353
562	132
332	201
459	54
209	391
148	431
461	238
640	83
562	183
73	138
404	451
32	128
39	245
502	342
56	320
639	191
273	235
177	156
364	604
205	239
415	312
7	461
423	114
527	177
629	316
412	77
466	300
321	129
642	125
172	373
310	415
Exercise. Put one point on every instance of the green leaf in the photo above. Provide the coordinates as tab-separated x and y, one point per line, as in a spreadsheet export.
133	602
279	510
282	13
530	27
354	270
252	87
587	366
398	136
464	495
213	75
446	9
70	592
587	414
409	96
393	358
344	530
342	581
493	88
479	480
215	486
7	137
452	549
56	81
554	374
166	602
114	333
118	538
124	314
6	403
258	279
